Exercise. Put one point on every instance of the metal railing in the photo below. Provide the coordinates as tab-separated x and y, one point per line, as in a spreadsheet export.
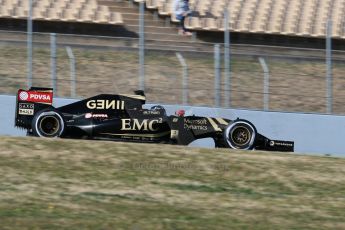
236	76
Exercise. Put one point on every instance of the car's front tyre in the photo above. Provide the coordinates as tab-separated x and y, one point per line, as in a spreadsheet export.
48	123
240	134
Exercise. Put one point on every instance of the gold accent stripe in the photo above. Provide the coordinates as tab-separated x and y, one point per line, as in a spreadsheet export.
214	125
222	121
45	103
139	97
139	135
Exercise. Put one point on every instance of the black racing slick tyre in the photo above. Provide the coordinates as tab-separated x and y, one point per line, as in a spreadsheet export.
48	123
240	134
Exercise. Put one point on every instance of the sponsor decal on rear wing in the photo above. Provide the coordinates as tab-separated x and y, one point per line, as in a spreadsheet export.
29	102
26	109
36	96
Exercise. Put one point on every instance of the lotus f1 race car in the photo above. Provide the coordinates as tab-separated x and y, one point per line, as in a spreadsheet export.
123	118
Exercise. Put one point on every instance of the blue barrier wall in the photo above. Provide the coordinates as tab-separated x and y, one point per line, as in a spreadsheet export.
312	133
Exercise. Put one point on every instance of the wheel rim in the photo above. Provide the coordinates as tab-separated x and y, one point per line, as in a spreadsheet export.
50	125
241	136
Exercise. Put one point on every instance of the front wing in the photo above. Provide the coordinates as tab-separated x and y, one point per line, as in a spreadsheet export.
264	143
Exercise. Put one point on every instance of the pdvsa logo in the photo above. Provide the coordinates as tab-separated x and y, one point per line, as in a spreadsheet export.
39	96
90	115
36	96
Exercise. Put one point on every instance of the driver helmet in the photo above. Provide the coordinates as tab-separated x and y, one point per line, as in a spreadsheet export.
180	112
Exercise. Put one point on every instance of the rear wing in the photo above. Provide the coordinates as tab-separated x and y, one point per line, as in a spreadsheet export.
29	102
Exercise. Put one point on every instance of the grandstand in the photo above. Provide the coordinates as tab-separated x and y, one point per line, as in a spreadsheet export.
273	22
287	17
301	23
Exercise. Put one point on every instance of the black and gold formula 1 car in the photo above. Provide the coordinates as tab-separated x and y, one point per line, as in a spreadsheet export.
120	117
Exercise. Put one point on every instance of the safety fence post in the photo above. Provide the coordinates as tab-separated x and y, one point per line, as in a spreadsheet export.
266	83
329	75
72	71
227	74
184	78
29	46
53	62
217	75
141	46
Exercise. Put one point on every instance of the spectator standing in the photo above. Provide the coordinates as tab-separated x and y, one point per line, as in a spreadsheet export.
181	10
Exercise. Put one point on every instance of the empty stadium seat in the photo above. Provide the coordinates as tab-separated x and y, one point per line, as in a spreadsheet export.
84	15
319	27
246	12
305	17
210	24
166	8
52	14
276	16
202	6
23	3
193	23
337	16
116	18
153	4
100	18
5	12
37	13
90	4
58	5
20	12
42	4
69	15
217	8
260	17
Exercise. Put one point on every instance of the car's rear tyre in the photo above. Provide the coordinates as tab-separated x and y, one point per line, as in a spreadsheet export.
48	123
240	134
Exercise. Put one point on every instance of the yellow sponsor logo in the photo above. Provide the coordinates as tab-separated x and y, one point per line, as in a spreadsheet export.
105	104
136	124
